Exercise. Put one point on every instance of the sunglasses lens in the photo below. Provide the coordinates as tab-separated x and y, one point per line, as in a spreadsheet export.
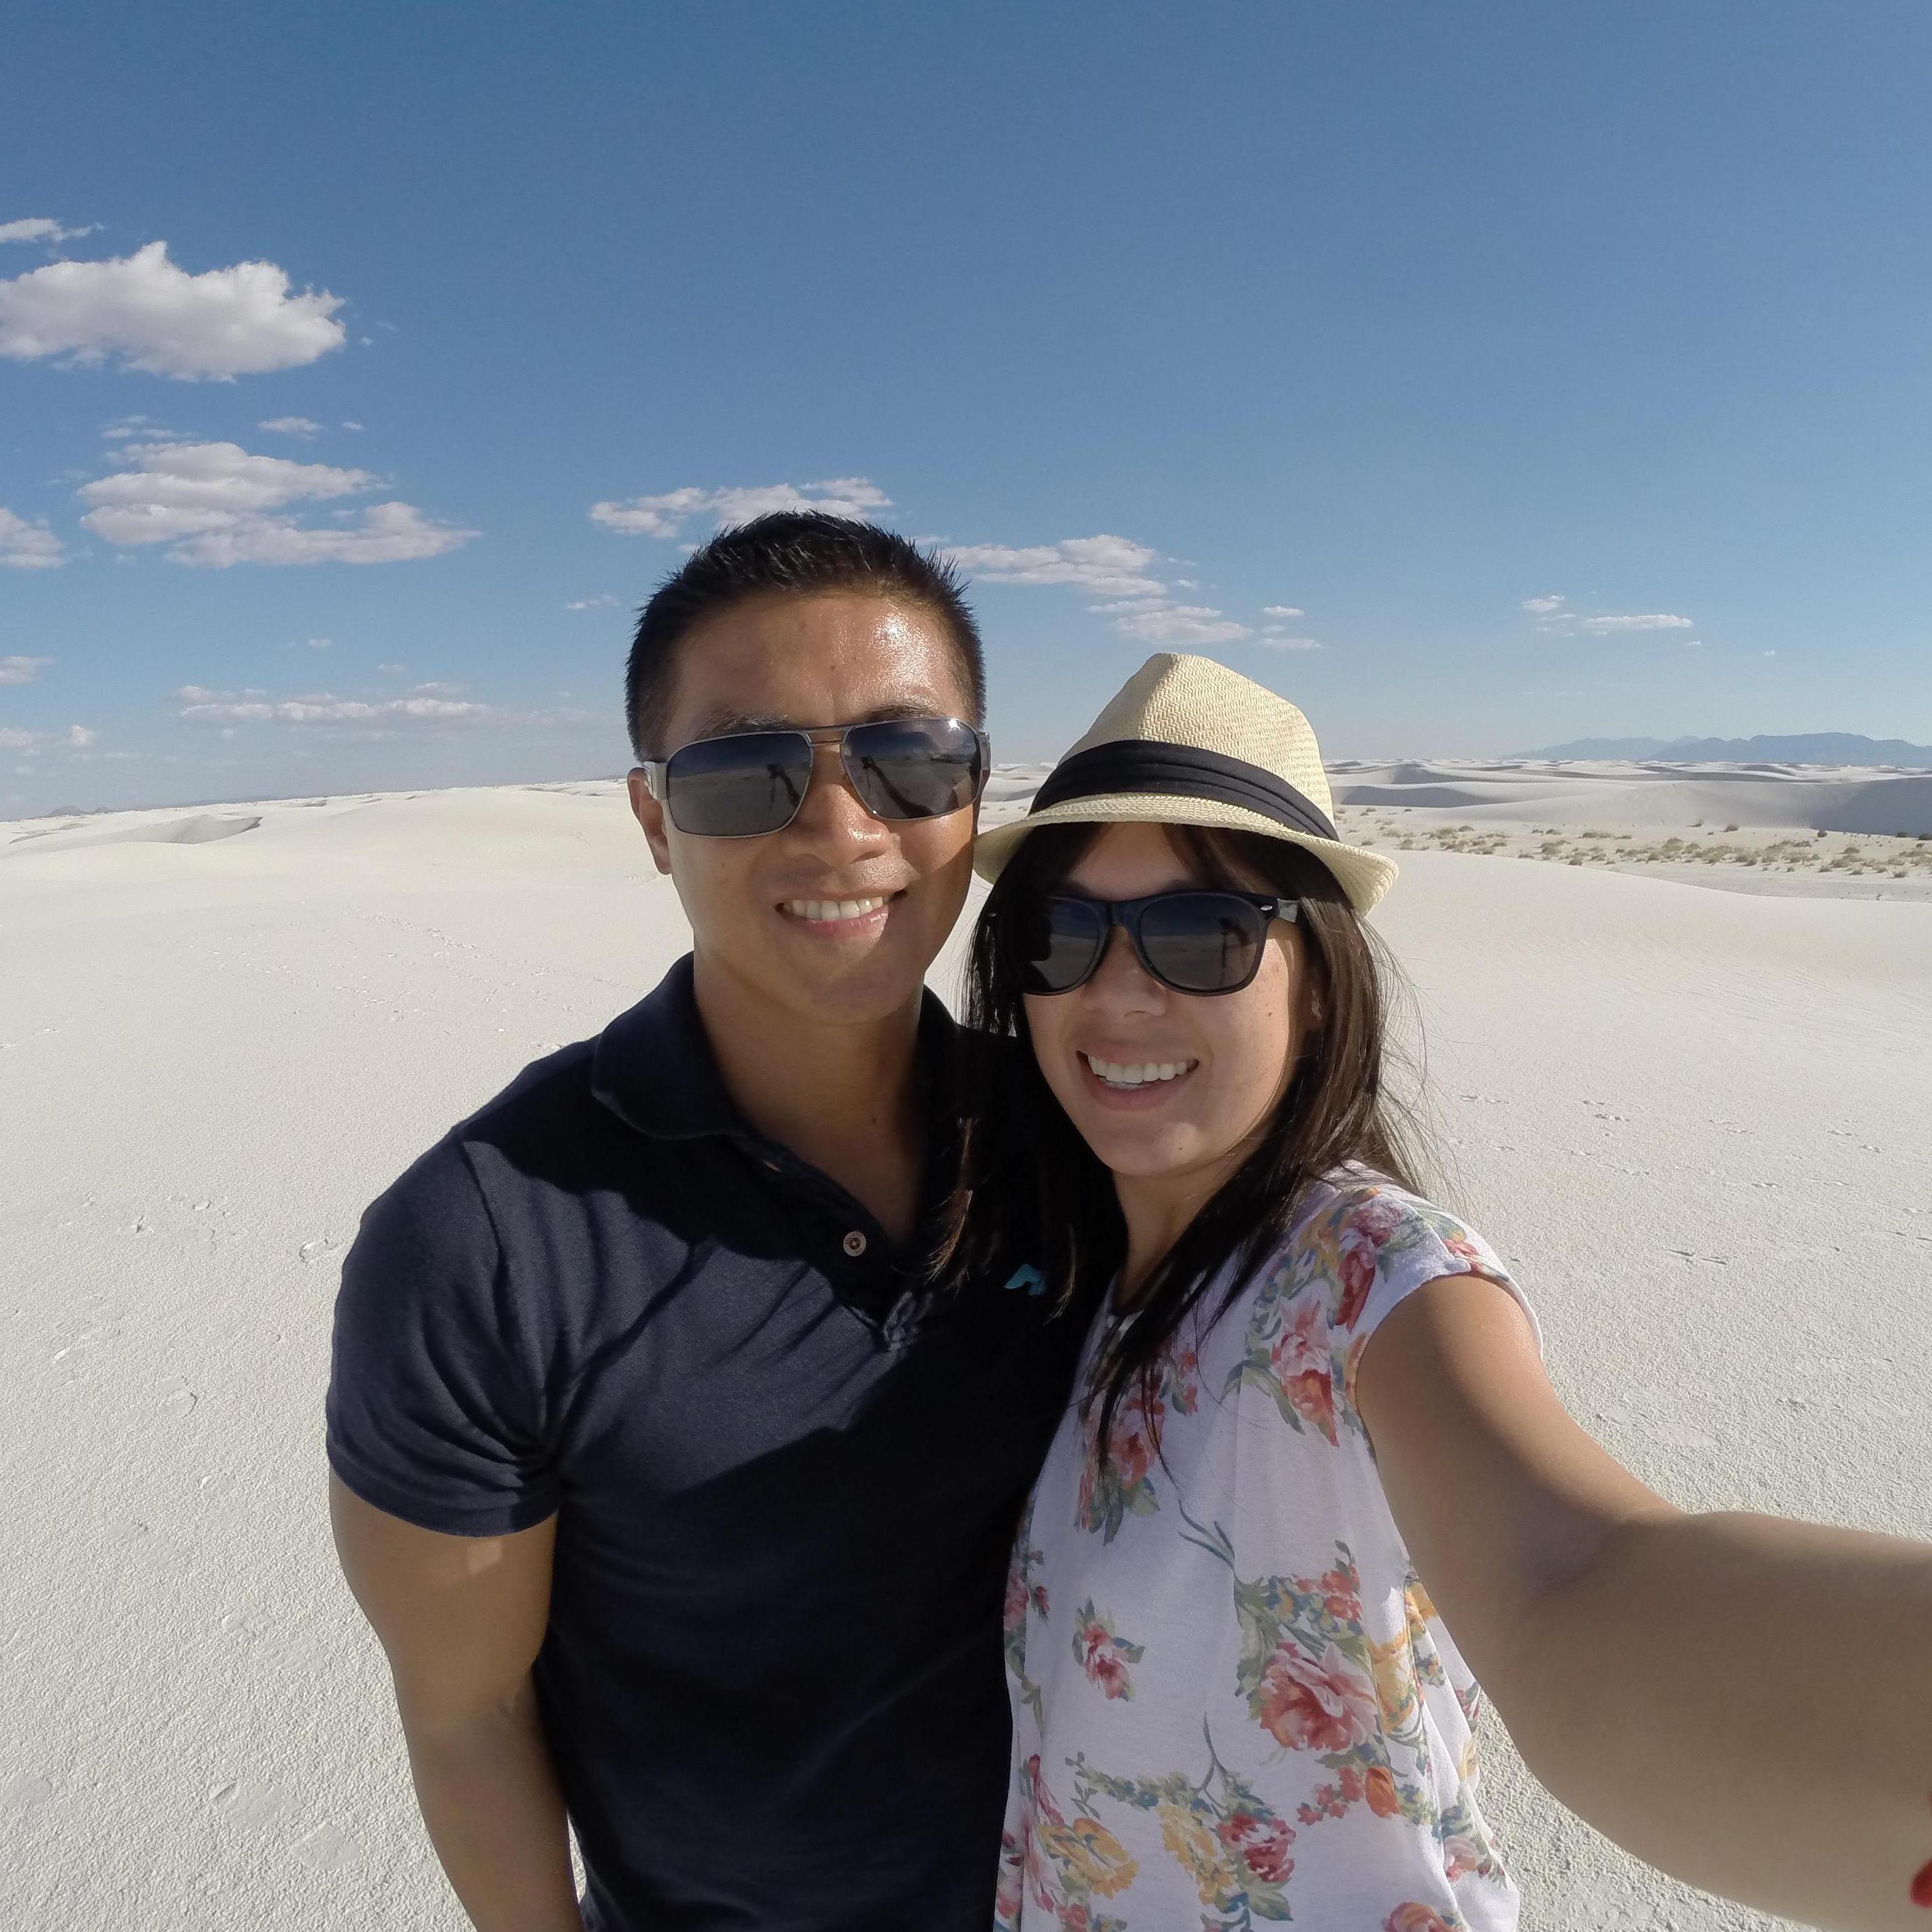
734	788
914	767
1057	942
1202	942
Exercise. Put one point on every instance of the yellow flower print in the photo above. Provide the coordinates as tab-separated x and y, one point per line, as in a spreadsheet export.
1089	1853
1420	1609
1191	1844
1395	1680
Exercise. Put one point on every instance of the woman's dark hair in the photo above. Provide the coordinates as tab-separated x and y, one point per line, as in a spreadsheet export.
799	552
1018	1150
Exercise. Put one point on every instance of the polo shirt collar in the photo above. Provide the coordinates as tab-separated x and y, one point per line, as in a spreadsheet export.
654	1069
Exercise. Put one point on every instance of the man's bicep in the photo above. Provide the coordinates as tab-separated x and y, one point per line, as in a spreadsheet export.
460	1617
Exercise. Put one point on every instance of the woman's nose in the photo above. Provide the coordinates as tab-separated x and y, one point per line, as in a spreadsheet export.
1121	982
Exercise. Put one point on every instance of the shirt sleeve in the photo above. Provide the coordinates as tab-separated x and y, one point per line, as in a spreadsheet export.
433	1409
1390	1242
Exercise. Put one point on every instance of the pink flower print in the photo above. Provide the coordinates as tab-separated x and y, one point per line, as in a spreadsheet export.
1368	1224
1338	1589
1262	1844
1013	1611
1300	1363
1103	1656
1377	1217
1413	1918
1328	1706
1012	1881
1358	1276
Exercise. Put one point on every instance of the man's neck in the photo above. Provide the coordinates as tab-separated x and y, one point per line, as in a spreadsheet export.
843	1098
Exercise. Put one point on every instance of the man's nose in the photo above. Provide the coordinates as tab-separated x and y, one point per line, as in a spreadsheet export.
833	816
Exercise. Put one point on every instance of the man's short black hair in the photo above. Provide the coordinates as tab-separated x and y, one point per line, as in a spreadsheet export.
798	552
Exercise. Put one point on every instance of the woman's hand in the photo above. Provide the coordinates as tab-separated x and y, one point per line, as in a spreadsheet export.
1743	1701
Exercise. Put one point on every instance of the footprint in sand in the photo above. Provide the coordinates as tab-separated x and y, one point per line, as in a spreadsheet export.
327	1848
241	1801
24	1790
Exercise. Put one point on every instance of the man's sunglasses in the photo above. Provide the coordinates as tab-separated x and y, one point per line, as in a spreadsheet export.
1195	941
750	782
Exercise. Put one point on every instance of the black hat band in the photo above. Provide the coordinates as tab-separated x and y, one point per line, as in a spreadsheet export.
1181	771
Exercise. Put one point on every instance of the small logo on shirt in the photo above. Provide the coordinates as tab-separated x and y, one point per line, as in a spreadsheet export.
1028	1277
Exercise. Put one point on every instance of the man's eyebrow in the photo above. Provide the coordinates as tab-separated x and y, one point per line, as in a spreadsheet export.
723	723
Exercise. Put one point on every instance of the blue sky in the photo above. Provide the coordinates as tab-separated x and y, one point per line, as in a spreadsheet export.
1404	319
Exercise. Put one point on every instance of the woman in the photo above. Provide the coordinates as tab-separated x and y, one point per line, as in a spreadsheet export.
1316	1436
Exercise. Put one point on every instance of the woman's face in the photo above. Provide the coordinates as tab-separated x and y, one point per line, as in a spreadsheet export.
1234	1051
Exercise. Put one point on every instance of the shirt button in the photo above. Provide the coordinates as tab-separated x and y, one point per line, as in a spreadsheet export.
855	1244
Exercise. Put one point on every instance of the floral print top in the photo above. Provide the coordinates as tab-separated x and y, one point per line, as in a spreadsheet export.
1234	1704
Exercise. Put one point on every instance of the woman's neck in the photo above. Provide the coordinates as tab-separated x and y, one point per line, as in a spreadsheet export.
1157	1210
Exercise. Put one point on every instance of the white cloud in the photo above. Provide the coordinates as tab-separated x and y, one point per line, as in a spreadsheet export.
75	738
386	533
1103	566
1277	640
1282	610
304	427
22	670
1124	574
1554	616
393	671
155	316
1181	624
26	546
435	688
39	228
351	425
1649	620
321	708
214	504
145	427
664	516
590	603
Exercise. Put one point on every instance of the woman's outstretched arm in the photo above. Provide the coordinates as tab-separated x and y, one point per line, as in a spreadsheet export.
1743	1701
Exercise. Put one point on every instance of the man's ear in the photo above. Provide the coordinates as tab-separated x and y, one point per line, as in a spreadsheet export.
650	814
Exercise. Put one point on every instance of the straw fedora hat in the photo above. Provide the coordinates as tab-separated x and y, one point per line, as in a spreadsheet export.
1186	741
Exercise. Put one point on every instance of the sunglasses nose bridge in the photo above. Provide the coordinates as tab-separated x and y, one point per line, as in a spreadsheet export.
1120	972
833	804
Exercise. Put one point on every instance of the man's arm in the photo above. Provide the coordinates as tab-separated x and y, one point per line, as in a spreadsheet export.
1743	1701
462	1619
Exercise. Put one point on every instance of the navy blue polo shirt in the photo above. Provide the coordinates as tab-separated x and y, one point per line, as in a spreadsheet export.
786	1479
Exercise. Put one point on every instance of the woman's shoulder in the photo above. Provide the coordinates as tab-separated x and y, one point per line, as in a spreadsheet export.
1361	1241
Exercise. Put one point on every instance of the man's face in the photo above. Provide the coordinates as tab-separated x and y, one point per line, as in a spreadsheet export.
826	658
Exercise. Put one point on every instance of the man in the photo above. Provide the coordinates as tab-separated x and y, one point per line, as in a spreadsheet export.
680	1502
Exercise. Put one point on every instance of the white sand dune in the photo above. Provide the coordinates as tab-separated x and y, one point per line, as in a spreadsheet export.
1695	1121
1804	797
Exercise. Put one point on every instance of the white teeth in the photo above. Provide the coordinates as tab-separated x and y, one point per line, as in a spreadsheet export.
1138	1074
831	909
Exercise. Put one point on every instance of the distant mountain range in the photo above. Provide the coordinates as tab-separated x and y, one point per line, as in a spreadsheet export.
1811	748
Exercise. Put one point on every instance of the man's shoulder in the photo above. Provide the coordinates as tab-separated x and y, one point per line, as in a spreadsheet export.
544	1095
546	1126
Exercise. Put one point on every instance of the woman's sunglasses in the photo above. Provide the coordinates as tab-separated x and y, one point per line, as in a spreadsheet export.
750	782
1196	941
